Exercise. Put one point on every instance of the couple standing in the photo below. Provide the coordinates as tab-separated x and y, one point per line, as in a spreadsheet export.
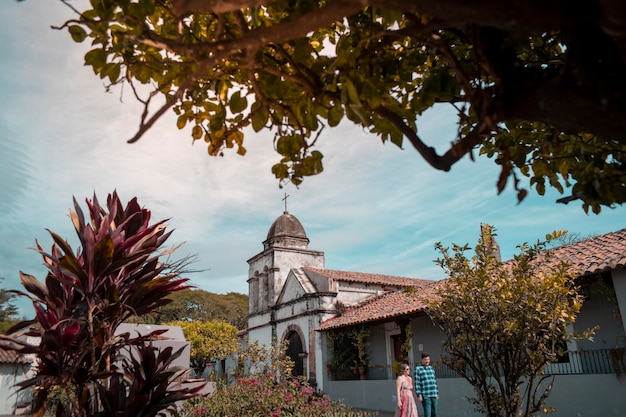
425	388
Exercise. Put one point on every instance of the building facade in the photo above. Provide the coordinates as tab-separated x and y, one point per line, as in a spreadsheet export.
294	298
291	295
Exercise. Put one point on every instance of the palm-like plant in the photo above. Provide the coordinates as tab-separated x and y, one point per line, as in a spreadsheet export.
114	275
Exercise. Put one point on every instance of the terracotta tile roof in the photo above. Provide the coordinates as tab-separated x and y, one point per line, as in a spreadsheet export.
385	306
366	278
589	256
10	356
596	254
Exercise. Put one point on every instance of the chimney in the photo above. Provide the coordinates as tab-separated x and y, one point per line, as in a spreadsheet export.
489	240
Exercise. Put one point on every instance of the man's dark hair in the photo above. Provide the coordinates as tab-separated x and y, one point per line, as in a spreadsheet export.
425	355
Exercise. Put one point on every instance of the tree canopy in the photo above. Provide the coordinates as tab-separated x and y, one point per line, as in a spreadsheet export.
8	310
539	87
504	322
209	341
199	305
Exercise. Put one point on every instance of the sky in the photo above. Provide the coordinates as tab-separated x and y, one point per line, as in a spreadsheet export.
375	208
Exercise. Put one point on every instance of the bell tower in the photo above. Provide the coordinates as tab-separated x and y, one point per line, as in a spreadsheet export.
285	247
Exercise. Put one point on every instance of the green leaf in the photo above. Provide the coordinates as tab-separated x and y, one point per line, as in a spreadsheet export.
396	137
289	145
103	254
302	51
312	164
96	58
335	114
238	103
259	119
113	72
78	33
217	122
353	94
280	171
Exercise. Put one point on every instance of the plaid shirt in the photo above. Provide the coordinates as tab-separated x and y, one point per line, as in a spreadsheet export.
425	382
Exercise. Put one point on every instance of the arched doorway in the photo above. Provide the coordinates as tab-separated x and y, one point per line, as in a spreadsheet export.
294	351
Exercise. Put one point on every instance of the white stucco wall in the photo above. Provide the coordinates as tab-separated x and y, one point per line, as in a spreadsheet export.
12	399
268	272
261	335
174	335
619	282
572	396
352	293
596	395
600	310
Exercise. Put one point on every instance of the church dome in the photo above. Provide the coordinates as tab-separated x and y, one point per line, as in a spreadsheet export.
286	226
287	232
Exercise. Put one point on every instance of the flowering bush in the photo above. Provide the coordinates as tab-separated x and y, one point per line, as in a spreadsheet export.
263	387
263	396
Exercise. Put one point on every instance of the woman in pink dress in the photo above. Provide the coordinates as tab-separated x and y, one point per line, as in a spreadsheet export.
405	393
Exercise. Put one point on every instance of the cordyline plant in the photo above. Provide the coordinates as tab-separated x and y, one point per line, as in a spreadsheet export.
114	275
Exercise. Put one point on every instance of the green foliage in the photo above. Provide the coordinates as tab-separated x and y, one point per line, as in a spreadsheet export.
526	95
194	304
551	158
8	311
264	387
504	322
405	348
349	350
209	340
116	274
258	359
362	343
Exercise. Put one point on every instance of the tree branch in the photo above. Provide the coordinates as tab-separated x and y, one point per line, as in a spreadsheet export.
219	51
457	150
185	7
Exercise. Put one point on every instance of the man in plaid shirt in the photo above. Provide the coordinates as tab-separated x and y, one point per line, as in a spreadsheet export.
426	386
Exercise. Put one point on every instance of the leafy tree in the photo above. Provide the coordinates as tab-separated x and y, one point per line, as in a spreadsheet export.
537	87
504	322
194	304
209	340
8	310
117	273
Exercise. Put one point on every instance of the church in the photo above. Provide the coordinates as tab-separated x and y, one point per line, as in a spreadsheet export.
291	295
293	298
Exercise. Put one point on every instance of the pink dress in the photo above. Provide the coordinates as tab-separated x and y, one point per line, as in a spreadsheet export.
408	409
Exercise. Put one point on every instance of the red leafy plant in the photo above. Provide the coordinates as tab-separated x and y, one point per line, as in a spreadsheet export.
116	273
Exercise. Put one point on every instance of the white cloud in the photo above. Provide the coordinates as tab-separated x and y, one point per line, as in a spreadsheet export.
375	208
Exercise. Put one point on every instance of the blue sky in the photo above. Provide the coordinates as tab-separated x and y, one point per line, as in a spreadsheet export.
375	208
